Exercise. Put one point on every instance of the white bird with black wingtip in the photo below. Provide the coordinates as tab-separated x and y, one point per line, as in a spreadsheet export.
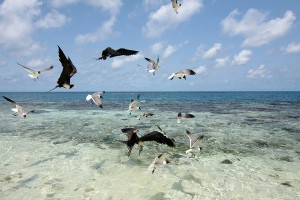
96	98
159	161
35	74
182	74
18	110
175	5
194	142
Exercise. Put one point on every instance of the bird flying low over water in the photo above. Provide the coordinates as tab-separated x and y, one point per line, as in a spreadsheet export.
146	114
194	142
183	115
68	71
182	74
133	105
35	74
153	64
18	110
156	136
175	5
159	161
109	53
96	98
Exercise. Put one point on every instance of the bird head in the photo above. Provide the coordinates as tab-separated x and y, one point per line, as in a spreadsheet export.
24	115
72	85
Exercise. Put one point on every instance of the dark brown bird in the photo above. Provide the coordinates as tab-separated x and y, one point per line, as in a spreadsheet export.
68	71
183	115
109	53
157	136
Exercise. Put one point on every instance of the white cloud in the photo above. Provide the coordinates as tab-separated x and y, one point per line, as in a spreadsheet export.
111	6
201	70
256	29
53	19
242	58
16	25
160	48
104	32
157	47
222	62
60	3
39	63
106	29
118	62
165	18
292	48
260	72
169	51
212	51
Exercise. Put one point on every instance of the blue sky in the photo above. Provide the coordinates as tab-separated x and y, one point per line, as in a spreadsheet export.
232	45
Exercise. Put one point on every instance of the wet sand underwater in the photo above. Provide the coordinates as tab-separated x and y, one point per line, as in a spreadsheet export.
250	151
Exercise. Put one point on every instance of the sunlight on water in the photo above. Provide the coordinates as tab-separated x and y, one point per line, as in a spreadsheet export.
70	149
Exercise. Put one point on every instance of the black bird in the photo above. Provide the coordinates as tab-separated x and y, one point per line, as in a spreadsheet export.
109	53
183	115
68	71
157	136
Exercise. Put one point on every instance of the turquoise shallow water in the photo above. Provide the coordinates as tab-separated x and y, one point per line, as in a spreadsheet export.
69	148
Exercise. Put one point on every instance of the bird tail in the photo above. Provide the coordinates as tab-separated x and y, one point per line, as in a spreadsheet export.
53	89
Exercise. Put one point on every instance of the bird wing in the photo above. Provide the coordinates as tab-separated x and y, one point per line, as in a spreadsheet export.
9	100
68	68
109	52
150	61
159	159
158	137
133	105
187	115
47	69
27	69
125	52
188	72
97	99
197	142
193	139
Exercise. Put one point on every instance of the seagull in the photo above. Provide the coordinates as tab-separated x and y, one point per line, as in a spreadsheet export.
146	114
154	65
157	136
159	161
133	105
18	110
175	5
194	142
109	53
96	98
35	74
68	71
183	115
182	74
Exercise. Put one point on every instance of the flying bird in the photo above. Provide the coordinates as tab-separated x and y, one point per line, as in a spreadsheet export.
146	114
96	98
153	64
182	74
35	74
18	110
194	142
133	105
109	53
175	5
68	71
183	115
159	161
133	138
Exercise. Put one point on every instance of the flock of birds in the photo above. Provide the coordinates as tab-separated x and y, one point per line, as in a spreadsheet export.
158	136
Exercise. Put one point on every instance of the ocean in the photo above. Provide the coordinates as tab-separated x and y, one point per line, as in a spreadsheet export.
71	149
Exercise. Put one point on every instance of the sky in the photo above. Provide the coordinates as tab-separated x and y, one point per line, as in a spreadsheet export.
231	45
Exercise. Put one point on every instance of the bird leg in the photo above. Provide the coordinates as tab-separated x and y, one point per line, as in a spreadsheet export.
153	169
141	149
